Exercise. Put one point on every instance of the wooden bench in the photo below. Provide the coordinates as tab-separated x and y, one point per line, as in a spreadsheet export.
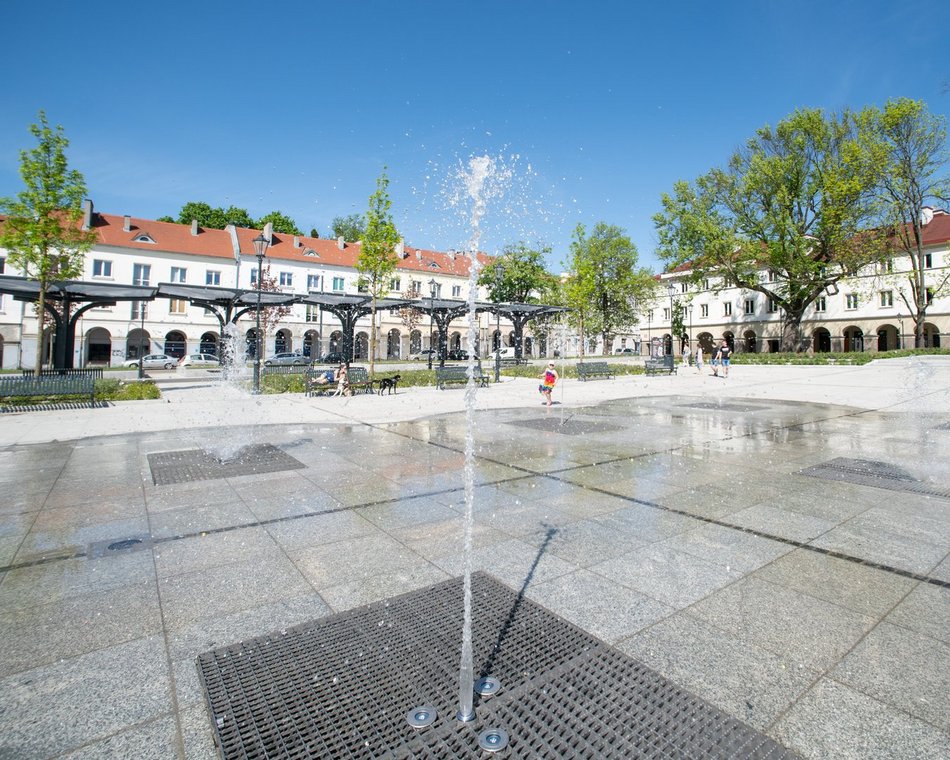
49	385
314	388
94	372
459	374
588	370
665	364
359	380
283	369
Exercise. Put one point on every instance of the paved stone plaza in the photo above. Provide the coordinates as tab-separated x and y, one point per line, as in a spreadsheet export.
685	520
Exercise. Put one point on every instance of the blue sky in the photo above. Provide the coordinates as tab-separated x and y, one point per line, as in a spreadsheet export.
595	108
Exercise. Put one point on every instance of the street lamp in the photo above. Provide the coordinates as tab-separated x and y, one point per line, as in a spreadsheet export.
689	308
900	335
649	342
671	290
260	248
141	338
499	272
431	309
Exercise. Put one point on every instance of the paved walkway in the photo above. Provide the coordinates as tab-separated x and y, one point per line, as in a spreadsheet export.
692	531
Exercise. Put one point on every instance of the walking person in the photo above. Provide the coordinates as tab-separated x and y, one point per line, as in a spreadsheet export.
548	381
687	356
699	359
724	353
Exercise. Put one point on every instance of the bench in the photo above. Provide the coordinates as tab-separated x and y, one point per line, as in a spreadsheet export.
49	385
94	372
313	388
459	374
588	370
283	369
665	364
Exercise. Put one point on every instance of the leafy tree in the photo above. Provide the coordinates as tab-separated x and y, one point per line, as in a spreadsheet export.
314	233
281	223
270	315
604	284
42	231
213	218
907	144
796	200
351	228
377	259
523	273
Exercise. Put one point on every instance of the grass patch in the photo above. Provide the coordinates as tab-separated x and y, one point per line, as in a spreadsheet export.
113	389
850	357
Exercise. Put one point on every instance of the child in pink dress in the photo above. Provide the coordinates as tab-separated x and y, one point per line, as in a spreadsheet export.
548	381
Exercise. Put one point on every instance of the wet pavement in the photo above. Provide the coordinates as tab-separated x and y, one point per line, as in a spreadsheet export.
689	522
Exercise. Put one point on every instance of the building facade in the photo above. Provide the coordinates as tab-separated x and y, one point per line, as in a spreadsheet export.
134	251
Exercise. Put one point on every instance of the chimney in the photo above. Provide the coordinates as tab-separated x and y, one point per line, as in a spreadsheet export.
296	241
418	255
926	216
269	233
340	243
235	243
126	223
194	227
87	214
401	249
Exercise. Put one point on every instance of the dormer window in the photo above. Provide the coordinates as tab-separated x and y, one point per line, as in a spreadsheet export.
311	252
433	265
143	237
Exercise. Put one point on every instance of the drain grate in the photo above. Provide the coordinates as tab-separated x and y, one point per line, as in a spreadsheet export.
944	426
341	687
198	464
566	426
868	472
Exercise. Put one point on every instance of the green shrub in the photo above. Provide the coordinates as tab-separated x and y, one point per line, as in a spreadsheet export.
848	357
112	389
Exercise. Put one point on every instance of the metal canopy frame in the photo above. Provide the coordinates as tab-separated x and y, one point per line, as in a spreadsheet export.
519	314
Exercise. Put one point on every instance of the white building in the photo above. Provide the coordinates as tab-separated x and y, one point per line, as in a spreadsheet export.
863	313
145	252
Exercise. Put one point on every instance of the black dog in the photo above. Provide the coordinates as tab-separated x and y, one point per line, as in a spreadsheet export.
390	383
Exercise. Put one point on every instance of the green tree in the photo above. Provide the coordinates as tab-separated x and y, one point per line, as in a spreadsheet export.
796	200
605	285
523	274
908	144
377	259
351	228
314	232
281	223
42	232
213	218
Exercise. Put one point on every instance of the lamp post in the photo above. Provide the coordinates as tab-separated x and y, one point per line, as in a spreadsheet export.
670	289
900	335
260	248
689	308
141	336
499	272
649	342
431	309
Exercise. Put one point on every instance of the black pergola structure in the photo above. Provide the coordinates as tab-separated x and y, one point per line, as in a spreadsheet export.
66	302
442	312
349	309
519	314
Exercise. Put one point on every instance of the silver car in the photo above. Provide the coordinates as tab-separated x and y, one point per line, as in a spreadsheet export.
199	360
287	359
153	361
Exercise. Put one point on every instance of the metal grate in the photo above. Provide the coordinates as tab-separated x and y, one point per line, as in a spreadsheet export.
566	425
341	687
868	472
197	464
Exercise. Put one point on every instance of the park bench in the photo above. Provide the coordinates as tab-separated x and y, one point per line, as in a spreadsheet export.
458	374
359	380
49	385
96	373
283	369
588	370
665	364
314	388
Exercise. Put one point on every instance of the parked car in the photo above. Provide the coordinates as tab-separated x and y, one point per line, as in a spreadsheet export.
458	354
624	351
152	361
199	360
334	357
422	356
286	359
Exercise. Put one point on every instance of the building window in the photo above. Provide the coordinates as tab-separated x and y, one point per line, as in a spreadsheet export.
141	274
338	283
887	298
139	310
178	306
772	307
851	301
212	277
313	313
178	274
705	284
666	315
704	310
750	306
101	268
253	278
928	260
885	267
727	309
684	287
771	275
415	288
650	315
286	279
314	282
395	284
821	305
456	291
930	296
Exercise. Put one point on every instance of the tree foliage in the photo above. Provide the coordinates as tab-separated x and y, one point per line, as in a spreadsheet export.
377	258
351	228
42	231
908	145
605	286
523	274
281	223
217	218
797	200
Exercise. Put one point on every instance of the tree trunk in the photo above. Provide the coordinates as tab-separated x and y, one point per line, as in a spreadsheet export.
583	340
41	329
372	339
791	333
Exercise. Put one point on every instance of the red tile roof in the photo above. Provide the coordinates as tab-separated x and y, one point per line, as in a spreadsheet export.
177	238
